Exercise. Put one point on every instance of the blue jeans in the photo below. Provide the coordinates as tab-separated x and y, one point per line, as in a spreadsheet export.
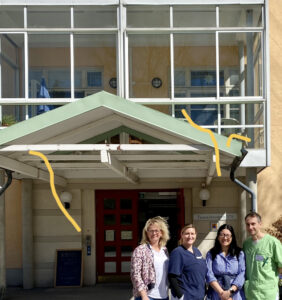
139	298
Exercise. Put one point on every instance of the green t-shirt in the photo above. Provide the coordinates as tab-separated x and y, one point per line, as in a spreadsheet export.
263	258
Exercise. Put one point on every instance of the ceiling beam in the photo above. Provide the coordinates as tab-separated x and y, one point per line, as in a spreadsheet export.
112	163
139	165
127	157
30	171
108	147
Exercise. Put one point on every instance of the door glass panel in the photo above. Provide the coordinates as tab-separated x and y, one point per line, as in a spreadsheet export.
125	266
125	219
109	219
110	267
110	251
126	250
109	203
109	235
125	204
126	235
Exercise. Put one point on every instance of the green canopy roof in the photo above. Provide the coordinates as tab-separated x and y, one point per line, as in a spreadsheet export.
82	111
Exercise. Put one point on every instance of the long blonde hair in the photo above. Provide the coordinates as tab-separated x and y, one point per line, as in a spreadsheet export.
162	224
184	229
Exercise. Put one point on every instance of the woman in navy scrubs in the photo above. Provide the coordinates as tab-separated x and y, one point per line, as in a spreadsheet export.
187	268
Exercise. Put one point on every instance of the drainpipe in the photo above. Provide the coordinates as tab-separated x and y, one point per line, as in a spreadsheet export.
236	163
8	182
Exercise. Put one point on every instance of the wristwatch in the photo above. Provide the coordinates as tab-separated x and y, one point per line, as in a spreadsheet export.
232	292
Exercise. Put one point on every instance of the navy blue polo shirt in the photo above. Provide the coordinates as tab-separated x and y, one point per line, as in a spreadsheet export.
191	270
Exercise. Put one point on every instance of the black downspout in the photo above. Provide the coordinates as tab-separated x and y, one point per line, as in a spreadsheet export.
8	182
236	163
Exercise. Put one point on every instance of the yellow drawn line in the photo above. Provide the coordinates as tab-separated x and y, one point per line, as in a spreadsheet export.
59	203
236	136
212	137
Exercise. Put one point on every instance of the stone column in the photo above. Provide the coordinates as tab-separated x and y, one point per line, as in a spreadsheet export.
27	234
2	237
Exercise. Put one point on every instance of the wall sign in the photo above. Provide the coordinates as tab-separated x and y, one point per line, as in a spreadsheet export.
68	272
215	217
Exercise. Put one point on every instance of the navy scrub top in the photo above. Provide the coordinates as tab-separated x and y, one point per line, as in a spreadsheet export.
191	270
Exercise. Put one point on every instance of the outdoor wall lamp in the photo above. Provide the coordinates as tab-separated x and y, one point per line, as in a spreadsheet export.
66	198
204	194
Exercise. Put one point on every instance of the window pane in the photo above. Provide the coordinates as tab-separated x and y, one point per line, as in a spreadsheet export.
126	219
110	267
240	16
126	251
125	266
109	203
195	65
12	66
149	59
246	47
95	60
109	219
148	16
48	16
125	203
233	115
11	17
194	16
110	251
126	235
49	65
110	235
95	16
12	114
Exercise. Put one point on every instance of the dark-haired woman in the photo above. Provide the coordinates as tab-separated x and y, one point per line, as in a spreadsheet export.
226	267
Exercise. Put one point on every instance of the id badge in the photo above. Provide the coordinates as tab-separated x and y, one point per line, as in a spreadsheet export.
259	257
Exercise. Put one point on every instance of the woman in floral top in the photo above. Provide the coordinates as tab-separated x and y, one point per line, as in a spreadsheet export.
149	262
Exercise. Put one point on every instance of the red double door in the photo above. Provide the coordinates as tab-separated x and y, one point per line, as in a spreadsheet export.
119	223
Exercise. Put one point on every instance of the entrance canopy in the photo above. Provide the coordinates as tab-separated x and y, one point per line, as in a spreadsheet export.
107	137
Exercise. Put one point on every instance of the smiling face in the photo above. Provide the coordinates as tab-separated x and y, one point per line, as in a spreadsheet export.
225	238
253	226
188	237
154	234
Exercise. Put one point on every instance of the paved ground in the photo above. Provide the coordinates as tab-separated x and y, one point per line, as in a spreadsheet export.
102	291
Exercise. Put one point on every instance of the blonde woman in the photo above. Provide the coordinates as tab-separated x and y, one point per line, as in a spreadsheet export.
187	268
149	262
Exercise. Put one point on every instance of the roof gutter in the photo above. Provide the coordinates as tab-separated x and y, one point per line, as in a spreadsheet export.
8	182
236	163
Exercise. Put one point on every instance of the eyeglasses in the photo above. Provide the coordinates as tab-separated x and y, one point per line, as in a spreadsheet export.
154	231
228	236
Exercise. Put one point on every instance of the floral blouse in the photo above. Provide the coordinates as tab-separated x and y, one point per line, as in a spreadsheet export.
143	275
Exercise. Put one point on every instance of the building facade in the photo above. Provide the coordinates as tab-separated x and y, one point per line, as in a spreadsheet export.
98	87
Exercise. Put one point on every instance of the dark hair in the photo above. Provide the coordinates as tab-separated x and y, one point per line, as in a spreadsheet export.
233	250
253	214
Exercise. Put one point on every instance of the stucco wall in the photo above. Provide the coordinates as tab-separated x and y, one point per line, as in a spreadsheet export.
13	211
52	231
269	180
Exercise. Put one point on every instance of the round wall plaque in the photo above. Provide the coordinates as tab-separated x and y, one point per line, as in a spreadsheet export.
156	82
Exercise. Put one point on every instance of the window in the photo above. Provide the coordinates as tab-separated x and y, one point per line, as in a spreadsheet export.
87	81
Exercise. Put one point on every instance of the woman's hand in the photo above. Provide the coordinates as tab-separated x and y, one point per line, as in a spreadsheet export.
225	295
144	295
